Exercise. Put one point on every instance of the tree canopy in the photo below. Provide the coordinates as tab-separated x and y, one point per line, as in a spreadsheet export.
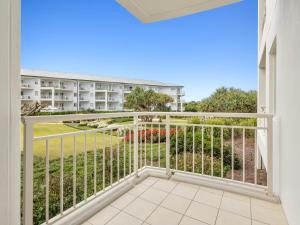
147	100
226	100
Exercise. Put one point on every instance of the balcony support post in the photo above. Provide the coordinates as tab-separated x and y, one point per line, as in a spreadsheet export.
270	155
168	170
28	173
135	144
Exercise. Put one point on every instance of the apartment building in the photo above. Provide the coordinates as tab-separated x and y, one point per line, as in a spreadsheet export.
76	92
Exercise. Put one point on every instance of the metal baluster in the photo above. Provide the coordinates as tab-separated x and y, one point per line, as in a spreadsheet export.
124	154
193	149
74	171
103	160
158	145
202	150
244	156
130	149
232	154
141	147
151	144
255	157
184	150
61	176
85	169
145	145
111	159
212	150
47	181
176	148
95	163
118	154
222	152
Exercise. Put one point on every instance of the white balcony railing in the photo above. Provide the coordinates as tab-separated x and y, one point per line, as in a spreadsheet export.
63	98
26	97
205	147
26	86
100	98
46	97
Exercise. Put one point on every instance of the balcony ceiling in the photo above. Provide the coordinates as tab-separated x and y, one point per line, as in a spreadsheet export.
155	10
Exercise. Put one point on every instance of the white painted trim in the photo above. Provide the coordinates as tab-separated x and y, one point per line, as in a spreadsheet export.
58	118
10	112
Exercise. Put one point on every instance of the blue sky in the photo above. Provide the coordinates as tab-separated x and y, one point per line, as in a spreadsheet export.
202	52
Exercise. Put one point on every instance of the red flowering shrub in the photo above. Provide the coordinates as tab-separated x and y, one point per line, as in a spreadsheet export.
156	134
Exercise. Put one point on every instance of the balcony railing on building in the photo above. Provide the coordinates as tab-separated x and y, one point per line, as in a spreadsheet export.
26	86
26	97
198	147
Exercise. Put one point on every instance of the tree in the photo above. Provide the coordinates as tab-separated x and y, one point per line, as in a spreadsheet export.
29	109
227	100
147	100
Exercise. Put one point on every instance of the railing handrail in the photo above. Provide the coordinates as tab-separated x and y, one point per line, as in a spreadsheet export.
135	132
58	118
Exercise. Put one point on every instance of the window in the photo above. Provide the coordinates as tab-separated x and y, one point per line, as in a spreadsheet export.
75	84
92	85
75	104
36	82
75	94
22	93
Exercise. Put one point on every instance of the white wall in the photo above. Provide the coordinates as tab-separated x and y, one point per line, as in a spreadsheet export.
9	112
283	28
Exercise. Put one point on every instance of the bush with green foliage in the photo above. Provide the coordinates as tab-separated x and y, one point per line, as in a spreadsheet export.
147	100
231	100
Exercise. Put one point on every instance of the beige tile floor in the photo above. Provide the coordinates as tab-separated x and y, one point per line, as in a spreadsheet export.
166	202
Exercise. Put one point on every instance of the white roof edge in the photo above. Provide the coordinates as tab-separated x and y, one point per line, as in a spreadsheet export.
84	77
141	13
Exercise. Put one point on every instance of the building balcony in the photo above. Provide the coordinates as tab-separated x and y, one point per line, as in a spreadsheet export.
84	89
26	98
26	86
84	99
113	99
159	172
63	98
64	88
100	108
46	98
100	98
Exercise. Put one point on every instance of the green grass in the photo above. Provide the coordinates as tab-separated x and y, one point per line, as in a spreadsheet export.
45	129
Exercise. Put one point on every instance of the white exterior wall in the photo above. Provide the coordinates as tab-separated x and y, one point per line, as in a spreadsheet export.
72	95
10	112
279	53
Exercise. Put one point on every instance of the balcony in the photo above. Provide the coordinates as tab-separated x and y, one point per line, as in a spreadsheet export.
26	97
26	86
84	99
46	97
64	88
100	98
113	99
83	89
160	171
63	98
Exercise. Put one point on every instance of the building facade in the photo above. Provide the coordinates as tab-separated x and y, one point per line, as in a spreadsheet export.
75	92
278	94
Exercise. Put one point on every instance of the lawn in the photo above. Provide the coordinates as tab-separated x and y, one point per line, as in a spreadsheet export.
43	129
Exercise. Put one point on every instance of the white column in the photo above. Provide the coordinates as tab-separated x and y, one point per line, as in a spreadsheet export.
10	112
106	100
53	96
